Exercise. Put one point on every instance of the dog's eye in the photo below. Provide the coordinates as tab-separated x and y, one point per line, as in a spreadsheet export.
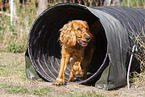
86	28
79	29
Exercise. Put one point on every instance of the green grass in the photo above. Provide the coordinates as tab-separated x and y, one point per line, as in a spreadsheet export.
14	82
6	70
86	94
41	91
13	89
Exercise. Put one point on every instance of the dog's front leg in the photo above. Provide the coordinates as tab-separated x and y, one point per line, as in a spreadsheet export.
87	61
75	70
64	61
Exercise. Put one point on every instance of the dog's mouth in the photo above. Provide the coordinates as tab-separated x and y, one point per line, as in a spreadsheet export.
82	43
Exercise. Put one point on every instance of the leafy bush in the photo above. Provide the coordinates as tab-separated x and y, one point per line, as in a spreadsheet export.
13	37
14	47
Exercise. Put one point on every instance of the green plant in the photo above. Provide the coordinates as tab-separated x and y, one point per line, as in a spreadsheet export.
140	41
133	3
14	47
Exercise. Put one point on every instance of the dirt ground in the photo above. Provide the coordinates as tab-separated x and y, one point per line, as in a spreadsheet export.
13	83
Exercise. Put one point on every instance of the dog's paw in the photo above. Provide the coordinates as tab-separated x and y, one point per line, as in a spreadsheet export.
77	71
58	82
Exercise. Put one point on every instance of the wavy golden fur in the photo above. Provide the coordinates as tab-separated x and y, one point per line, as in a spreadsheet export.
76	49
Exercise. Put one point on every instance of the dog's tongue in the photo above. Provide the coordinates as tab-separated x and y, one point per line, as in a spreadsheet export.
82	43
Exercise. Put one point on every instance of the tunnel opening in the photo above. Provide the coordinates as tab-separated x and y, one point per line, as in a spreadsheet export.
44	47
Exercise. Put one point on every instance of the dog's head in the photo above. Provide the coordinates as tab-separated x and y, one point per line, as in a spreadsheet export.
76	31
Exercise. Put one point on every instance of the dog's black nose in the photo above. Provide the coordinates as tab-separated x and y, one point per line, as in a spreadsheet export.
87	37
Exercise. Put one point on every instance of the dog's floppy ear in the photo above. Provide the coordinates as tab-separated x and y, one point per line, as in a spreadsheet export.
67	35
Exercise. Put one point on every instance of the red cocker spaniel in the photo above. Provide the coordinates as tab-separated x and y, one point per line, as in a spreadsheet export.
76	50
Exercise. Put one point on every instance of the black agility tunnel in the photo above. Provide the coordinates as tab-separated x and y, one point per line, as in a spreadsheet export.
111	57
